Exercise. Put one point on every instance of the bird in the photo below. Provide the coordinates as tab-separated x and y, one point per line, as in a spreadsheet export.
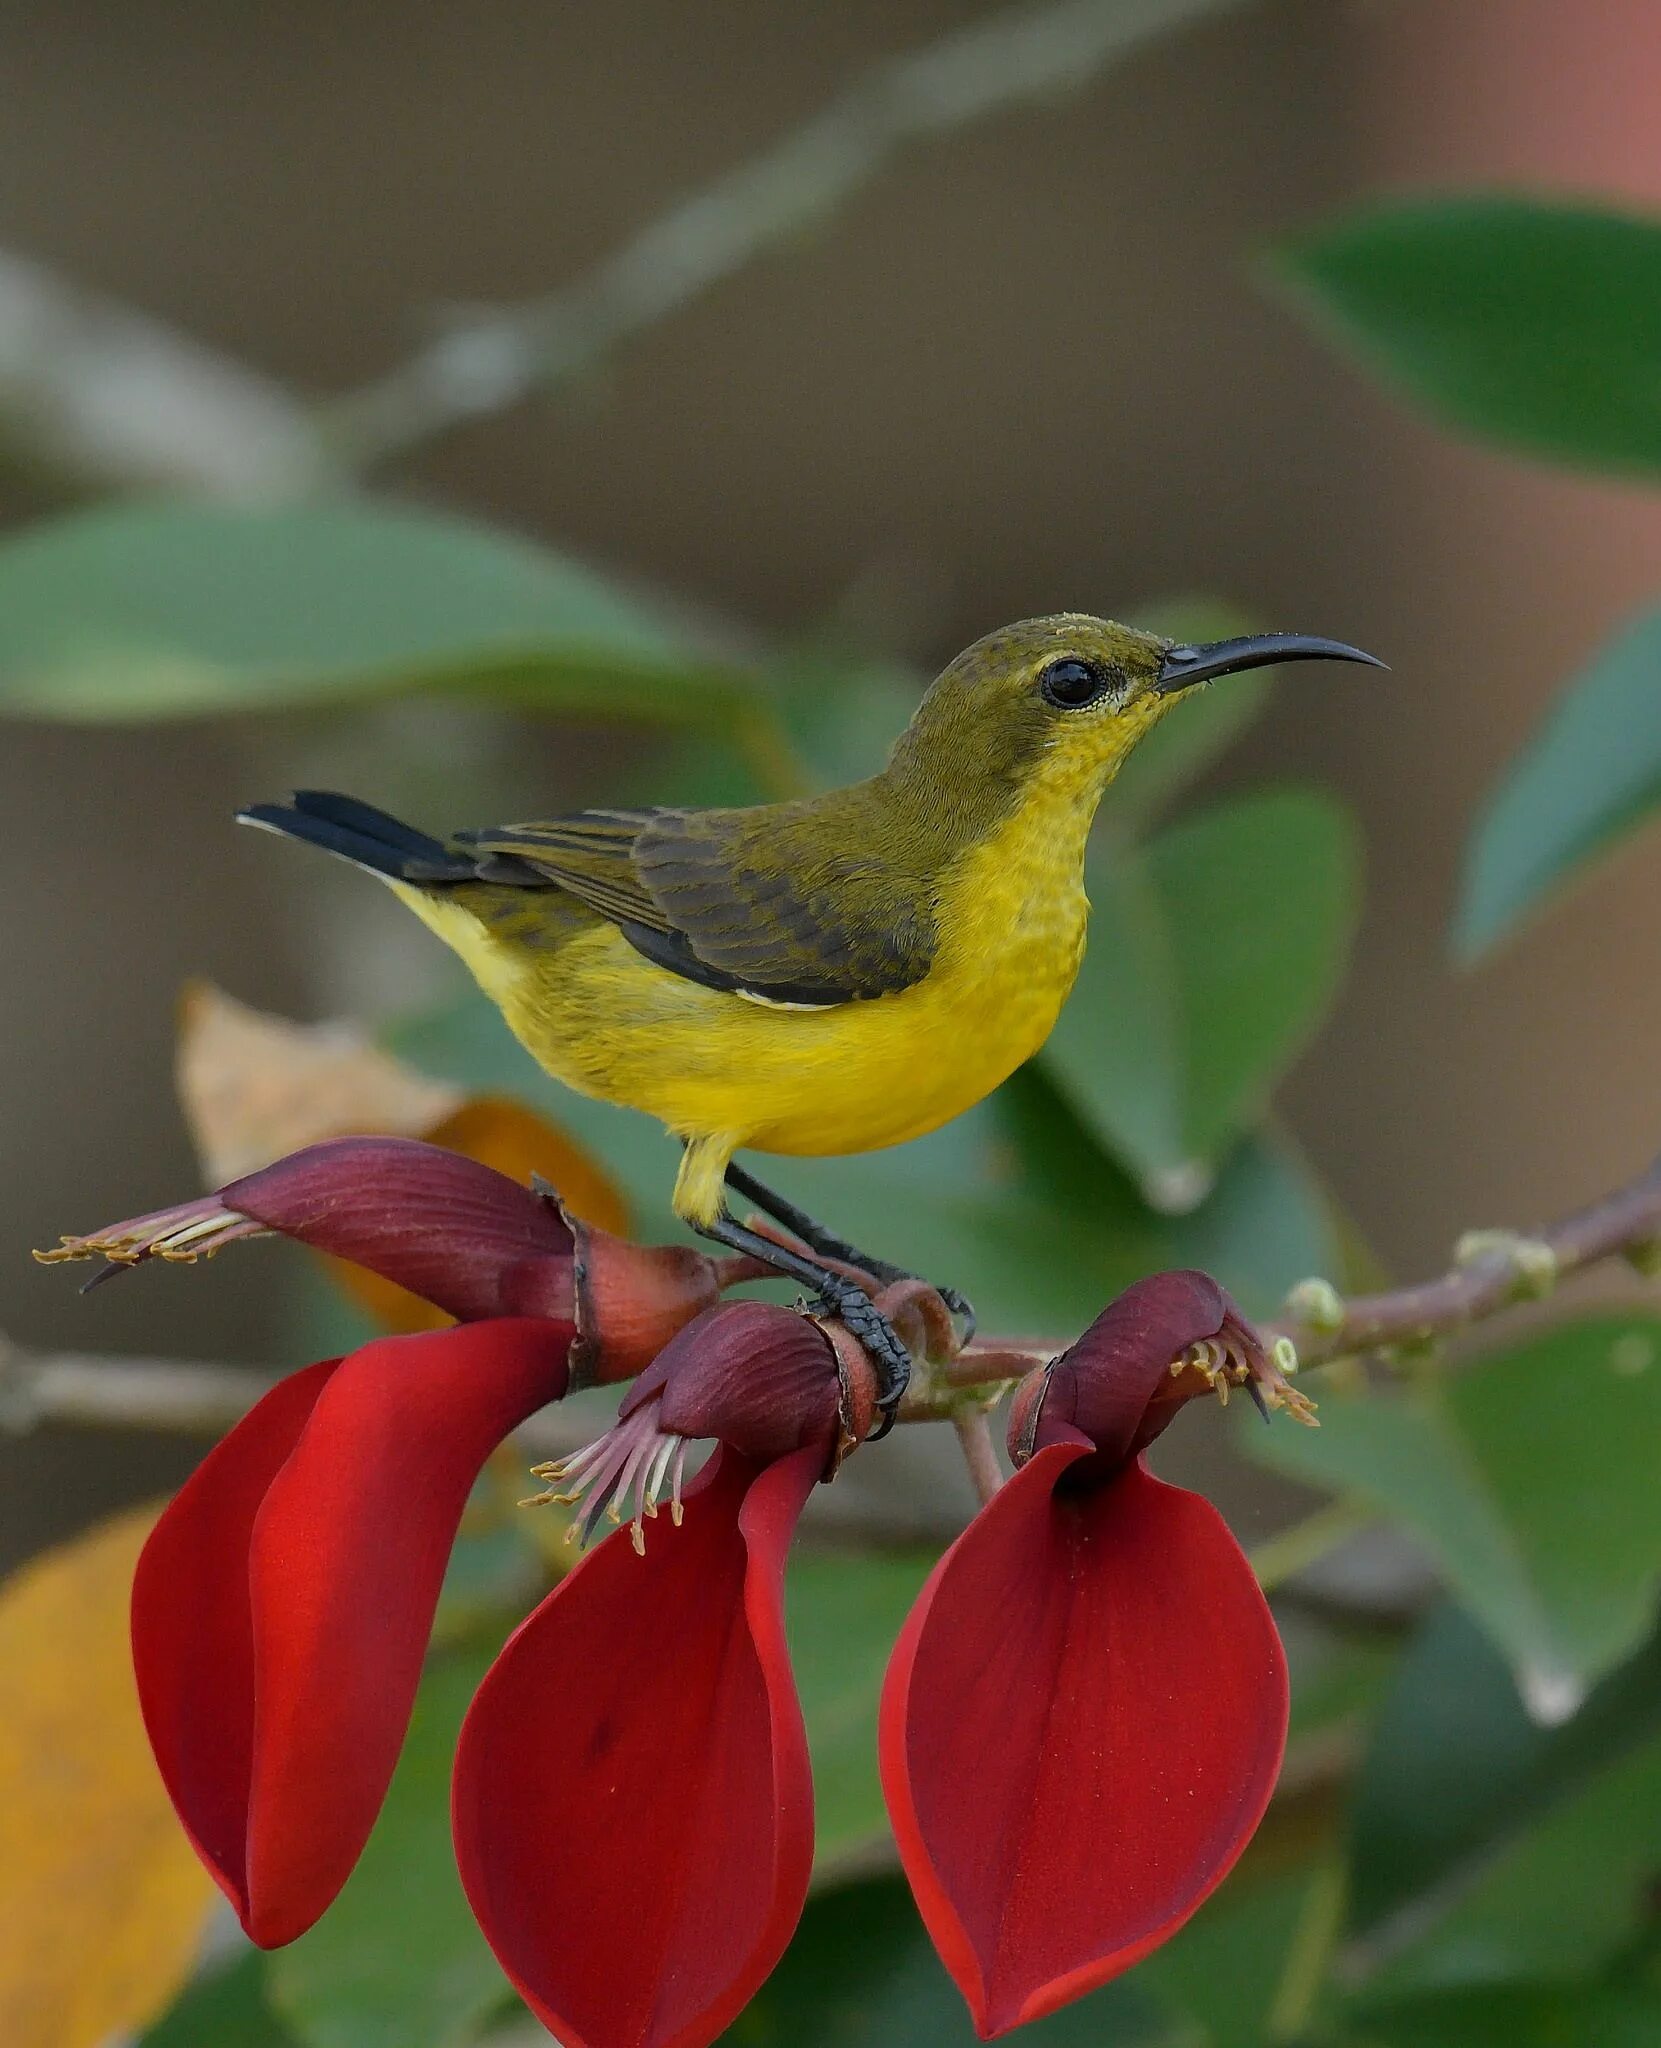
822	976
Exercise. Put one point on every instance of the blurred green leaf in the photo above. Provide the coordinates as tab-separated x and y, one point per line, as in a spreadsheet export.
397	1961
842	714
1494	1467
1222	1971
1529	322
1586	778
226	2008
1213	954
861	1974
1487	1848
1338	1674
169	610
1451	1747
1262	1225
1516	2016
844	1611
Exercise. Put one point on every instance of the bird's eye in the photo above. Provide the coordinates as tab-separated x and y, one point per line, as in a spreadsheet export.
1070	682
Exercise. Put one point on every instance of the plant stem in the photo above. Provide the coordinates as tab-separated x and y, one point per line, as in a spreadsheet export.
980	1454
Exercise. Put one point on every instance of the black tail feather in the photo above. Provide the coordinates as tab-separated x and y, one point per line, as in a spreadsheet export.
357	832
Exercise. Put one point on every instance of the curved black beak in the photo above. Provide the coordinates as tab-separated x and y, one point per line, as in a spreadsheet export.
1185	664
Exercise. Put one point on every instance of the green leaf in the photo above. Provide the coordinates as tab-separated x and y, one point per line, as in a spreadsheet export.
227	2008
397	1961
167	610
845	1609
1486	1848
1213	955
1529	322
1587	777
861	1974
1223	1969
1516	2016
1494	1468
1452	1746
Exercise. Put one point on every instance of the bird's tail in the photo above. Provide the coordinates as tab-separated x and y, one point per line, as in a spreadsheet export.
369	838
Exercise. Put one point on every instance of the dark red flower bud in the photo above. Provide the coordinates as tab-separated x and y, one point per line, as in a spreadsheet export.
752	1374
458	1234
761	1379
1163	1342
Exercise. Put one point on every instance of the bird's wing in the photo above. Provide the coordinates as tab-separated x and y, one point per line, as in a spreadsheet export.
769	903
589	854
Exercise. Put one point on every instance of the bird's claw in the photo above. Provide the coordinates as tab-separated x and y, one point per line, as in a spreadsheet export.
854	1308
961	1307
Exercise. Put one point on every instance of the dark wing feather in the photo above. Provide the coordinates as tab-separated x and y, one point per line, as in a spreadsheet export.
785	901
590	854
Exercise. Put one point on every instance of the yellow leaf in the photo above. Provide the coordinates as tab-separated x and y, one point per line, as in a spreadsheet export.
102	1901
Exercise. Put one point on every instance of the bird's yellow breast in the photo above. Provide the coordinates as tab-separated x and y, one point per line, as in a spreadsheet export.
1010	913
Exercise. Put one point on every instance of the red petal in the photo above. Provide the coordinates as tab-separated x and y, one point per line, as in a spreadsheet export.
282	1606
1081	1726
633	1807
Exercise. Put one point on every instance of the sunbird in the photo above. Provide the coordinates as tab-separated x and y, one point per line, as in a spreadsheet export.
827	975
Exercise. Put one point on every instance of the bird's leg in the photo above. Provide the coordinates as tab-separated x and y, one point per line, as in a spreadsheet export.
829	1246
836	1295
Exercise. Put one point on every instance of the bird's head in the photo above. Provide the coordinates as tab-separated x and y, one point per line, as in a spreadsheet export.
1070	696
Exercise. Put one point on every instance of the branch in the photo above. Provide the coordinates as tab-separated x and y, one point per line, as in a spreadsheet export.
496	359
104	397
1498	1270
175	1396
1493	1270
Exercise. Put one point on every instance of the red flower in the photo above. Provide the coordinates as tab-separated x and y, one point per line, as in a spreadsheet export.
1082	1720
646	1715
457	1233
1086	1709
282	1606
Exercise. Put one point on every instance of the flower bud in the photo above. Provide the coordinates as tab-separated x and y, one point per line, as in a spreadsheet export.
752	1374
1161	1343
457	1233
758	1378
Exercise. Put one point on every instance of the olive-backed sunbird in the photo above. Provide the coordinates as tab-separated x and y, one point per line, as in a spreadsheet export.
828	975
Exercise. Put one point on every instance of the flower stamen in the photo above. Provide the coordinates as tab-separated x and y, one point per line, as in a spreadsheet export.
618	1478
182	1235
1235	1357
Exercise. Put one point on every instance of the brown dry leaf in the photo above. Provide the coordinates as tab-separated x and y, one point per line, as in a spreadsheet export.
255	1087
102	1901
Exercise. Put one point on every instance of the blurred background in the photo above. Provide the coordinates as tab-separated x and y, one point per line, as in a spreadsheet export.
1037	360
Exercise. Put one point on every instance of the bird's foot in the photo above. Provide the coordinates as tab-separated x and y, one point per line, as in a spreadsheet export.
961	1307
854	1308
